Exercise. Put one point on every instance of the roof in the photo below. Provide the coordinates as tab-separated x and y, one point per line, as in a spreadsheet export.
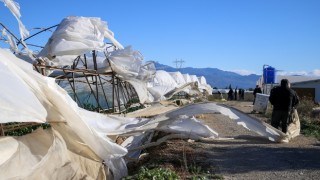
306	82
296	79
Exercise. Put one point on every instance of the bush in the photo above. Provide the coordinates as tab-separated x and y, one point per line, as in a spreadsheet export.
310	126
156	174
305	106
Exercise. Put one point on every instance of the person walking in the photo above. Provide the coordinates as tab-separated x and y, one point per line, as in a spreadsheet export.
255	91
230	94
283	100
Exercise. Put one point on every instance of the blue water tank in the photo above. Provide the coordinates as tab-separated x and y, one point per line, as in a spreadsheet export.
269	75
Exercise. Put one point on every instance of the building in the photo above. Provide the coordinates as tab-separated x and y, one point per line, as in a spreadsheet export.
309	89
305	86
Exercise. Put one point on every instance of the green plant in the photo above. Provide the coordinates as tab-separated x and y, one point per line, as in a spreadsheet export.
305	106
309	127
89	107
134	108
206	176
194	169
24	130
133	100
156	174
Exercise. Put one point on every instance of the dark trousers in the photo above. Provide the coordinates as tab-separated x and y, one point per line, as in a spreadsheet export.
280	118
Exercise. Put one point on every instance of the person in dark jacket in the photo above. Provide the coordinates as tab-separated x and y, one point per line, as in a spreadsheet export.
230	94
255	91
283	100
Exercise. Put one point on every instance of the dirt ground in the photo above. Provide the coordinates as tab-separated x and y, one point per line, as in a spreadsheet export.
241	154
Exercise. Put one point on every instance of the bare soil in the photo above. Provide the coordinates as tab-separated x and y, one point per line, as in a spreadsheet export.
243	154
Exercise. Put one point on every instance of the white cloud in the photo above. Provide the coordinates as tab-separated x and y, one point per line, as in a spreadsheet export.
315	72
243	72
285	73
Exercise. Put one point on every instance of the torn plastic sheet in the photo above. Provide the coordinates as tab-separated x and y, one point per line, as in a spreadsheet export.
188	125
257	126
58	107
178	77
187	78
246	121
163	78
14	8
78	35
202	80
46	155
194	78
161	84
16	95
141	89
11	41
189	88
126	62
158	92
92	128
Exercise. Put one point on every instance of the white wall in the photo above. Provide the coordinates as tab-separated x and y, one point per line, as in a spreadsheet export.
312	84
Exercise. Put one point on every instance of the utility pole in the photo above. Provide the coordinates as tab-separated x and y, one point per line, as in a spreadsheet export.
178	63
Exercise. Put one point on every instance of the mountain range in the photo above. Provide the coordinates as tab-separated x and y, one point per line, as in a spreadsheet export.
215	77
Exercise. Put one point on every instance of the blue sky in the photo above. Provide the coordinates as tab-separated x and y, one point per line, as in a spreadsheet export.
231	35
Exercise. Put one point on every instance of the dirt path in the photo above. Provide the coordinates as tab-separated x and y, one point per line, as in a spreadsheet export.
250	156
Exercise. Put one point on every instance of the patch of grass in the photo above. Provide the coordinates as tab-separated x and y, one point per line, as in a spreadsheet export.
198	173
305	107
216	98
156	174
310	127
207	176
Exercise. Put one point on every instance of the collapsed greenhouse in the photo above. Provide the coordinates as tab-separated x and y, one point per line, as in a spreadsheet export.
77	71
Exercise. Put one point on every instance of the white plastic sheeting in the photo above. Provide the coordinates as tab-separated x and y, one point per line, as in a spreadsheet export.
77	35
163	78
203	86
242	119
161	84
187	78
126	62
14	8
257	126
42	100
178	77
194	78
15	94
202	80
59	107
48	155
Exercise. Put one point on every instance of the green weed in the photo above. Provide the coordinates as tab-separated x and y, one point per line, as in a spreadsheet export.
155	174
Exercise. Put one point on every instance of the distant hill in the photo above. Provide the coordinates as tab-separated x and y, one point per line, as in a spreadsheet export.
216	77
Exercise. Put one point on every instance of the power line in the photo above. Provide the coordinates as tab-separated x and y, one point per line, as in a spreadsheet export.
178	63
